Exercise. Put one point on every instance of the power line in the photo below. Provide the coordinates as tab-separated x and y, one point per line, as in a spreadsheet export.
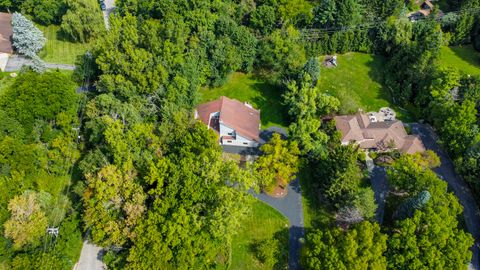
80	114
311	34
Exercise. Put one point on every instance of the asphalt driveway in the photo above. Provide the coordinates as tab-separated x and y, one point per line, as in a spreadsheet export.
460	188
16	62
291	207
90	258
378	179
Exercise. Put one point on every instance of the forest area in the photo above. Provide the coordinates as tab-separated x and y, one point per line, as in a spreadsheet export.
125	163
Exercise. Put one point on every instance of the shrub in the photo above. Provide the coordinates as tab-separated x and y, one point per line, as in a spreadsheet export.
267	251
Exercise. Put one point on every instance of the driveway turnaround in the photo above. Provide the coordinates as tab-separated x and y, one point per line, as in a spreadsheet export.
291	207
459	187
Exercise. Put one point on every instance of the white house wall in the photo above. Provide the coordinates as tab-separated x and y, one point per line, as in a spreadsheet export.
240	140
224	130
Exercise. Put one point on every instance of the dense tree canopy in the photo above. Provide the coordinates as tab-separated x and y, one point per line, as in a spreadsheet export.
38	150
150	181
82	21
361	247
53	99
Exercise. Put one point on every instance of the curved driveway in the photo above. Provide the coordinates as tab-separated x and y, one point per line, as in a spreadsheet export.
291	207
459	187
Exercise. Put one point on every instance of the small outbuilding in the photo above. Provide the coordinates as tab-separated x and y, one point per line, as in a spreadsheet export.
330	61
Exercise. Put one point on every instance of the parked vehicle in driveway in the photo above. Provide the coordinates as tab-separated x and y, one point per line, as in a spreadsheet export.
103	6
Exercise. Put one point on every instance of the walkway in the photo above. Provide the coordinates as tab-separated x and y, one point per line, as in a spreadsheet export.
90	258
378	179
16	62
291	207
459	187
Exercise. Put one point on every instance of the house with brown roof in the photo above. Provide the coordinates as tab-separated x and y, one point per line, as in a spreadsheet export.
6	32
378	136
237	123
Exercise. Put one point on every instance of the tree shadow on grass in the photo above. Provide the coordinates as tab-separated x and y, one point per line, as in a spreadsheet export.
273	250
318	210
270	103
467	54
377	74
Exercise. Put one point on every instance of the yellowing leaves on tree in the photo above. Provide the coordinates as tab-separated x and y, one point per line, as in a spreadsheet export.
279	164
27	223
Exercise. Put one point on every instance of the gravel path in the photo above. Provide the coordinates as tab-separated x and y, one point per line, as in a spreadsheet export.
459	187
291	207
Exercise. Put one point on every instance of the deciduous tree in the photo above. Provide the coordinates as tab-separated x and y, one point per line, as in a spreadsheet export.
361	247
278	164
28	222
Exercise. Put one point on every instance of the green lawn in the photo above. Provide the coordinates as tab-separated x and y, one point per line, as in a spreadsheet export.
357	82
262	95
264	222
464	58
57	50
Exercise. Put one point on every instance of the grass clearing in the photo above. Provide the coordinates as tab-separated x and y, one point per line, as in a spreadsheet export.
259	93
464	58
263	223
57	50
357	83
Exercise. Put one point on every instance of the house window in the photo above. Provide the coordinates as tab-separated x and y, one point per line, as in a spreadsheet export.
229	141
245	143
230	133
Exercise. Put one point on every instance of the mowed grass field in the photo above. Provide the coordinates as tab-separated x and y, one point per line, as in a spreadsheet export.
58	50
263	223
357	83
249	88
464	58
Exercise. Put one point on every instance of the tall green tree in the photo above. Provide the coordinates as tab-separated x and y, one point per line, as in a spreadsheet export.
278	164
338	175
281	53
82	21
431	239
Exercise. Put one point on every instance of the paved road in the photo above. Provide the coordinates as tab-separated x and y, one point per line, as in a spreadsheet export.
459	187
90	258
378	179
16	62
291	207
110	4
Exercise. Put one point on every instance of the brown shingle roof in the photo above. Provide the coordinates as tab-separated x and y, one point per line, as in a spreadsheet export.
234	114
6	32
378	135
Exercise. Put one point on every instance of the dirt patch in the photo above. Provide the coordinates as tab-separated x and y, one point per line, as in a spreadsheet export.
278	192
